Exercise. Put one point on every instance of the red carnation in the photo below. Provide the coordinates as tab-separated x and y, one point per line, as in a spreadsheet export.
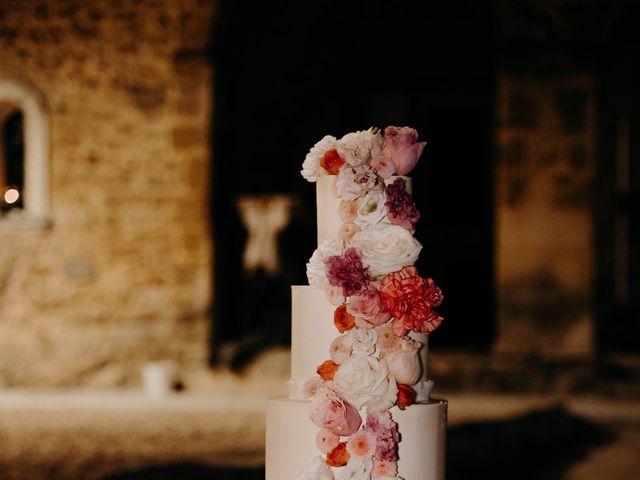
410	298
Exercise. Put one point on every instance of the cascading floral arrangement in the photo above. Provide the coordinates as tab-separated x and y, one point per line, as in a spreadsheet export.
367	272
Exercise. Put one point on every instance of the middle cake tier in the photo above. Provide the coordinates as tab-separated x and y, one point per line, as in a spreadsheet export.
313	330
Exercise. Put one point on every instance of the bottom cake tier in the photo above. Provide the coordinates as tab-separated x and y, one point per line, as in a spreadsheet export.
290	442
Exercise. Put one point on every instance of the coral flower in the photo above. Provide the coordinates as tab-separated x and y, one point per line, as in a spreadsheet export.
406	395
332	161
327	369
326	440
384	468
410	298
362	445
338	457
343	320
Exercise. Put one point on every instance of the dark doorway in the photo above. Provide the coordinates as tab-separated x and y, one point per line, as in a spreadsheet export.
617	289
288	74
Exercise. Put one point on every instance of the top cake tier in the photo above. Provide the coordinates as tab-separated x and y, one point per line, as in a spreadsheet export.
328	206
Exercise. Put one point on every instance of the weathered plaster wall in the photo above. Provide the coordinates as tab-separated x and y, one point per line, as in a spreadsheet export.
122	275
544	235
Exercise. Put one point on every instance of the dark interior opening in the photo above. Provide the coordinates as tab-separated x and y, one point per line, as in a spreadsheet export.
287	76
12	160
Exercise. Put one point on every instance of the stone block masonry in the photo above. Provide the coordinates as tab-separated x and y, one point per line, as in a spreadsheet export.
121	275
544	215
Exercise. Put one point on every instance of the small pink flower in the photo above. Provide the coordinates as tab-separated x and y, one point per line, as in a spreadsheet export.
361	445
326	440
388	341
347	231
384	468
340	349
348	210
348	272
311	386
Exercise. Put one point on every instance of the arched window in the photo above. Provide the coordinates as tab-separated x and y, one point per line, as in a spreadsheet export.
11	158
24	155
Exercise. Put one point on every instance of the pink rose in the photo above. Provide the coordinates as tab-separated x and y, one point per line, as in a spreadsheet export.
329	410
404	365
400	153
366	305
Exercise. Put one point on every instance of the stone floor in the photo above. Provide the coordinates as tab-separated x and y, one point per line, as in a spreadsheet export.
215	429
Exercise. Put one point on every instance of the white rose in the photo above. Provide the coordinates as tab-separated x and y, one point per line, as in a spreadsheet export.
386	248
317	270
317	469
311	168
358	148
364	381
386	401
371	209
363	341
353	182
356	470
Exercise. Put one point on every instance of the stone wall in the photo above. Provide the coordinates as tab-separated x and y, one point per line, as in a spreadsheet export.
121	275
544	222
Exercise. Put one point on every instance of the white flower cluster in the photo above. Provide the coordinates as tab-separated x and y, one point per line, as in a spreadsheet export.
369	357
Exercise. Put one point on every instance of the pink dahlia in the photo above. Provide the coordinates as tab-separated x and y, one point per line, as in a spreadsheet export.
400	207
386	432
410	298
347	271
362	445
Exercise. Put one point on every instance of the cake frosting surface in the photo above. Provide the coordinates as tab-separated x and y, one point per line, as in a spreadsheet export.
359	402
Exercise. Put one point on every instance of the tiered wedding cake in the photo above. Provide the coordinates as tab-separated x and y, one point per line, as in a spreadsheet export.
358	405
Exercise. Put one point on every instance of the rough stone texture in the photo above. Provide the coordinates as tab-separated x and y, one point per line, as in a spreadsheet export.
544	233
122	275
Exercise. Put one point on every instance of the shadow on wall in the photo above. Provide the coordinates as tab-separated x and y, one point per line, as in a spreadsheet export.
539	445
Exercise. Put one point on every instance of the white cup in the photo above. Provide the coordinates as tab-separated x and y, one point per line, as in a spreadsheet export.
158	378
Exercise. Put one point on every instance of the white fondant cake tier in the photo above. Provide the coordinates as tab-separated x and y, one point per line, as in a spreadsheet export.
291	439
312	331
327	205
